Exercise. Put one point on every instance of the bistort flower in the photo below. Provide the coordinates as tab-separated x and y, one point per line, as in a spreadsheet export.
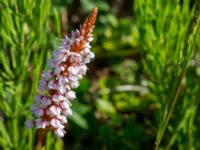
66	67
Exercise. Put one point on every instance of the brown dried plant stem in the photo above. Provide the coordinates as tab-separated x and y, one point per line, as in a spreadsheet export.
41	136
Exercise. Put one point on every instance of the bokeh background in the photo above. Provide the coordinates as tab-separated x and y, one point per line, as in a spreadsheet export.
123	98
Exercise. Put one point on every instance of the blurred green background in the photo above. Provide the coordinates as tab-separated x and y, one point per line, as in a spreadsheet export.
139	48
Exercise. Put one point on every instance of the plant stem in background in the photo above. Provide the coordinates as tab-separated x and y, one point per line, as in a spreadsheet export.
192	33
171	108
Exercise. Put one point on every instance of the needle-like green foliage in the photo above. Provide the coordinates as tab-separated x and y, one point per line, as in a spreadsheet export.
24	42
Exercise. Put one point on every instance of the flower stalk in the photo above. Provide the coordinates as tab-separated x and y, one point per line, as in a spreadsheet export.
41	135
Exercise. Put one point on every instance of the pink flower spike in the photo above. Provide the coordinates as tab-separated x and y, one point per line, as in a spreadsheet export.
51	63
52	85
62	89
53	111
56	123
52	103
37	99
34	107
65	105
59	132
67	112
59	56
62	119
72	70
42	85
70	95
63	80
74	84
46	75
57	98
45	102
40	123
38	112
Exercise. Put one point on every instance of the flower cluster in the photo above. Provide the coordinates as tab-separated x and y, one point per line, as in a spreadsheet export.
66	67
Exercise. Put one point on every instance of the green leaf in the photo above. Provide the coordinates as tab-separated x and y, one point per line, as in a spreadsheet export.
79	120
105	106
80	108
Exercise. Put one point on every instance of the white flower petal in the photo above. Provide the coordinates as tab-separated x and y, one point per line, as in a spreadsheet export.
59	132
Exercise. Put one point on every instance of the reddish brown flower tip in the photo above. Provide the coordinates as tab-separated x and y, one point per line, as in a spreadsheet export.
90	21
84	34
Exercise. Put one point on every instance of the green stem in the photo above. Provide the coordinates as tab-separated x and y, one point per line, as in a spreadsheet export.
15	132
171	108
